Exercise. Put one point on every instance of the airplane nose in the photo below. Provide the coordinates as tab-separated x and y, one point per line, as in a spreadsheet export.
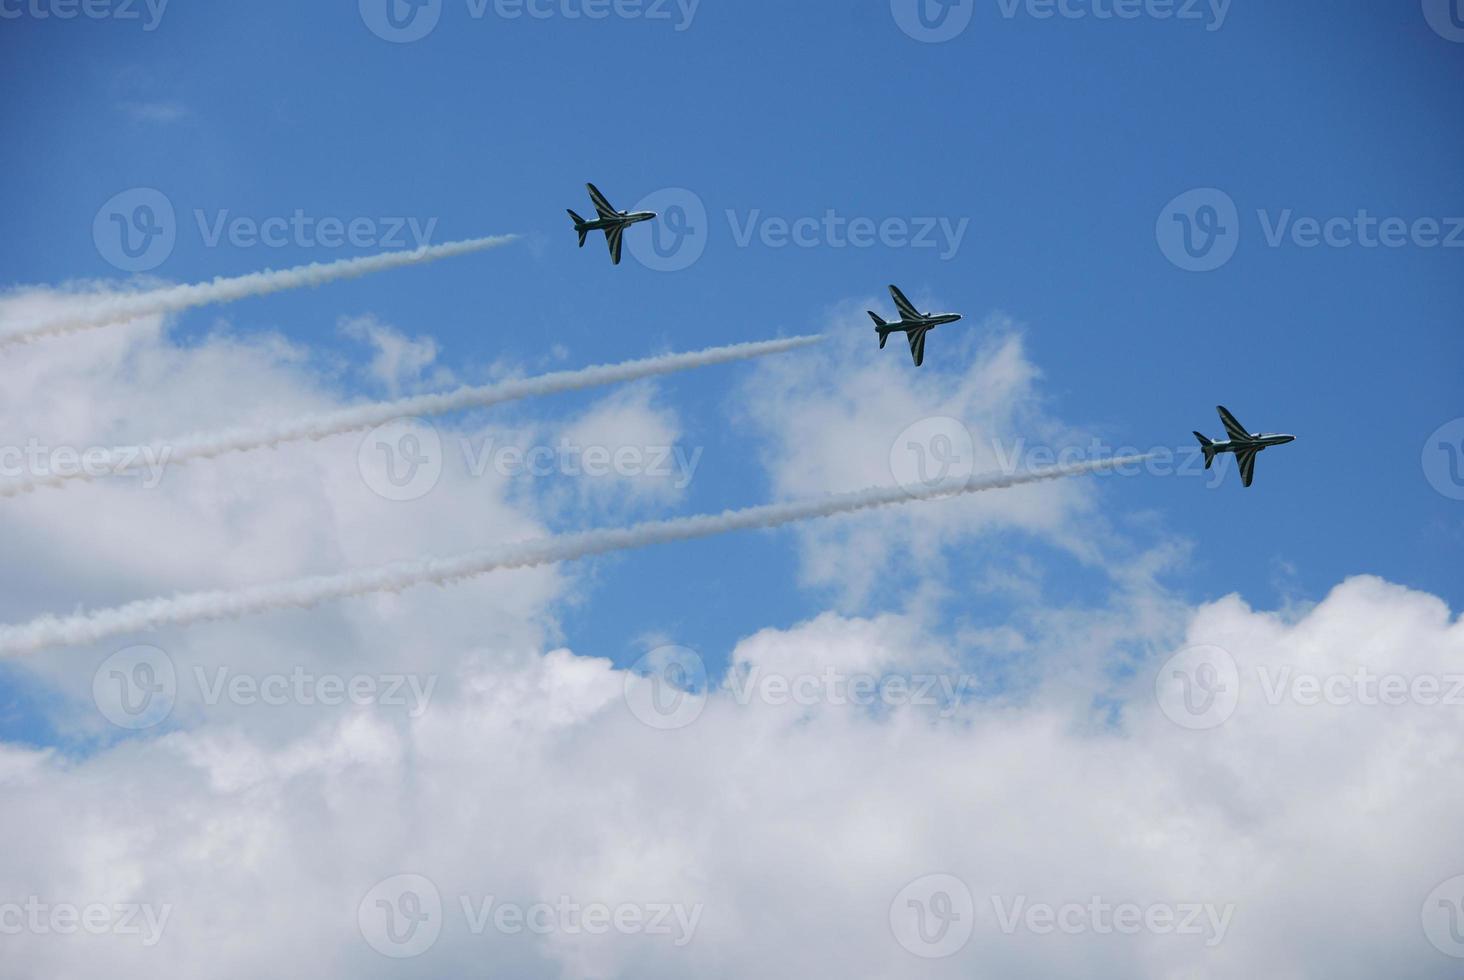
1286	439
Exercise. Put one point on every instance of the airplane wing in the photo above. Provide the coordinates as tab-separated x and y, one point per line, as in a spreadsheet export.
906	308
603	207
1247	458
1232	426
917	345
615	237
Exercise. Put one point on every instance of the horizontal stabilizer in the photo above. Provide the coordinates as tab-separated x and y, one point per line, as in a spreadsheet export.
1208	448
579	226
881	326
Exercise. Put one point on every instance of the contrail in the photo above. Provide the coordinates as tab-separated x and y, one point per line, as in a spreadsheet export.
102	463
174	299
199	607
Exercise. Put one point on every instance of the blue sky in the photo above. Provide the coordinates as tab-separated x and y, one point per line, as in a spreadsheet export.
1198	202
1058	140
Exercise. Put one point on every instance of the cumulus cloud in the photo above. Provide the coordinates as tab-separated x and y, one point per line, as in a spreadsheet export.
849	415
313	507
1126	749
791	827
399	363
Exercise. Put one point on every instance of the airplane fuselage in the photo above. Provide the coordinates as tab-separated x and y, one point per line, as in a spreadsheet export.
925	323
625	220
1258	442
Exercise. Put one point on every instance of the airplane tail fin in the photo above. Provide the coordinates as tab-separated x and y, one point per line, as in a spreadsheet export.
579	227
1208	448
881	326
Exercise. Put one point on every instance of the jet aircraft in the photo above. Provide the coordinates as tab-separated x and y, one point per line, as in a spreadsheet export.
912	323
612	222
1244	444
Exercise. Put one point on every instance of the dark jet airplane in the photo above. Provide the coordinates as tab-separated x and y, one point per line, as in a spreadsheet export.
1245	445
912	323
612	222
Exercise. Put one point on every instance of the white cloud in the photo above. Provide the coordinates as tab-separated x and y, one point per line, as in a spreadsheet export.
251	518
793	829
787	829
400	363
839	416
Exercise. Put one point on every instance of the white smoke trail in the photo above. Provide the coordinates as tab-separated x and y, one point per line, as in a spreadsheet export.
198	607
108	310
110	462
